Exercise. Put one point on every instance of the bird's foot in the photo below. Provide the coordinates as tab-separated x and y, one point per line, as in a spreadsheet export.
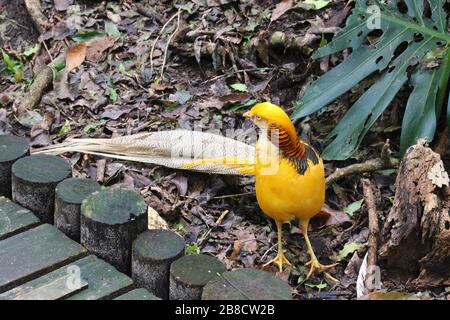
316	266
279	260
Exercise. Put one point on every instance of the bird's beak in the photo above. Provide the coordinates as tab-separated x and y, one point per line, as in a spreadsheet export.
248	114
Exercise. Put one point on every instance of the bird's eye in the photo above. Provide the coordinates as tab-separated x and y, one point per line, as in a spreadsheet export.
258	118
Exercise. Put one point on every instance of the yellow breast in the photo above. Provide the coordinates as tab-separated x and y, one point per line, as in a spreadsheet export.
282	192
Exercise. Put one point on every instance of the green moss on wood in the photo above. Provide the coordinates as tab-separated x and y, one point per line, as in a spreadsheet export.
74	190
41	168
113	206
196	269
12	148
158	245
246	284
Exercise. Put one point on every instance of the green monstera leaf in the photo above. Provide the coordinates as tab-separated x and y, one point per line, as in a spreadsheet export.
425	63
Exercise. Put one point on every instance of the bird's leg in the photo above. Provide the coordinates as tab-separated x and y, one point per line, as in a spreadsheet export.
315	265
280	258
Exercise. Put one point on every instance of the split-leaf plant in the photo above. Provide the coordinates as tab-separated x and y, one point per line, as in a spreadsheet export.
420	28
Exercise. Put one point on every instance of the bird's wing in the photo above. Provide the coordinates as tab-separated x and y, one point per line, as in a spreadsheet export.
179	149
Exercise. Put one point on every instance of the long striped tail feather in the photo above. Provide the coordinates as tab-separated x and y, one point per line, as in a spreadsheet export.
178	149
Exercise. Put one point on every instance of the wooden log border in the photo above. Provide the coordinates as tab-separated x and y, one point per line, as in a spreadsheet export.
113	225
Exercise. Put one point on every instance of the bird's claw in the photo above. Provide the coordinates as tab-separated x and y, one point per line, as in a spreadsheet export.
279	260
316	266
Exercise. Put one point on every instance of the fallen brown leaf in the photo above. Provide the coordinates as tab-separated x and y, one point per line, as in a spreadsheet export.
181	183
338	17
328	217
116	111
281	8
160	86
222	257
284	275
96	47
62	87
247	240
211	102
39	133
101	164
393	295
76	56
237	97
263	50
236	250
113	17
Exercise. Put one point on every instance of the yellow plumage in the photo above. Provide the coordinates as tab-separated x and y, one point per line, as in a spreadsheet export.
288	195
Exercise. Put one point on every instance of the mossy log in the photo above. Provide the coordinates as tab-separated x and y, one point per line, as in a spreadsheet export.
69	195
110	221
153	252
190	274
246	284
34	179
12	148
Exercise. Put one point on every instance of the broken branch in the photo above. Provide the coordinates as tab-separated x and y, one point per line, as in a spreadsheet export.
382	163
157	38
168	43
37	88
35	10
148	12
372	256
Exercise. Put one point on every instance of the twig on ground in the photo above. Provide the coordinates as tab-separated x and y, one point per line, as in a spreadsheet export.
101	166
372	255
168	43
35	10
222	216
233	61
229	74
233	195
148	12
267	252
137	129
48	52
159	35
37	88
2	17
382	163
199	32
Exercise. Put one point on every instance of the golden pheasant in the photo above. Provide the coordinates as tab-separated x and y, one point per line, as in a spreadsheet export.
290	177
290	180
